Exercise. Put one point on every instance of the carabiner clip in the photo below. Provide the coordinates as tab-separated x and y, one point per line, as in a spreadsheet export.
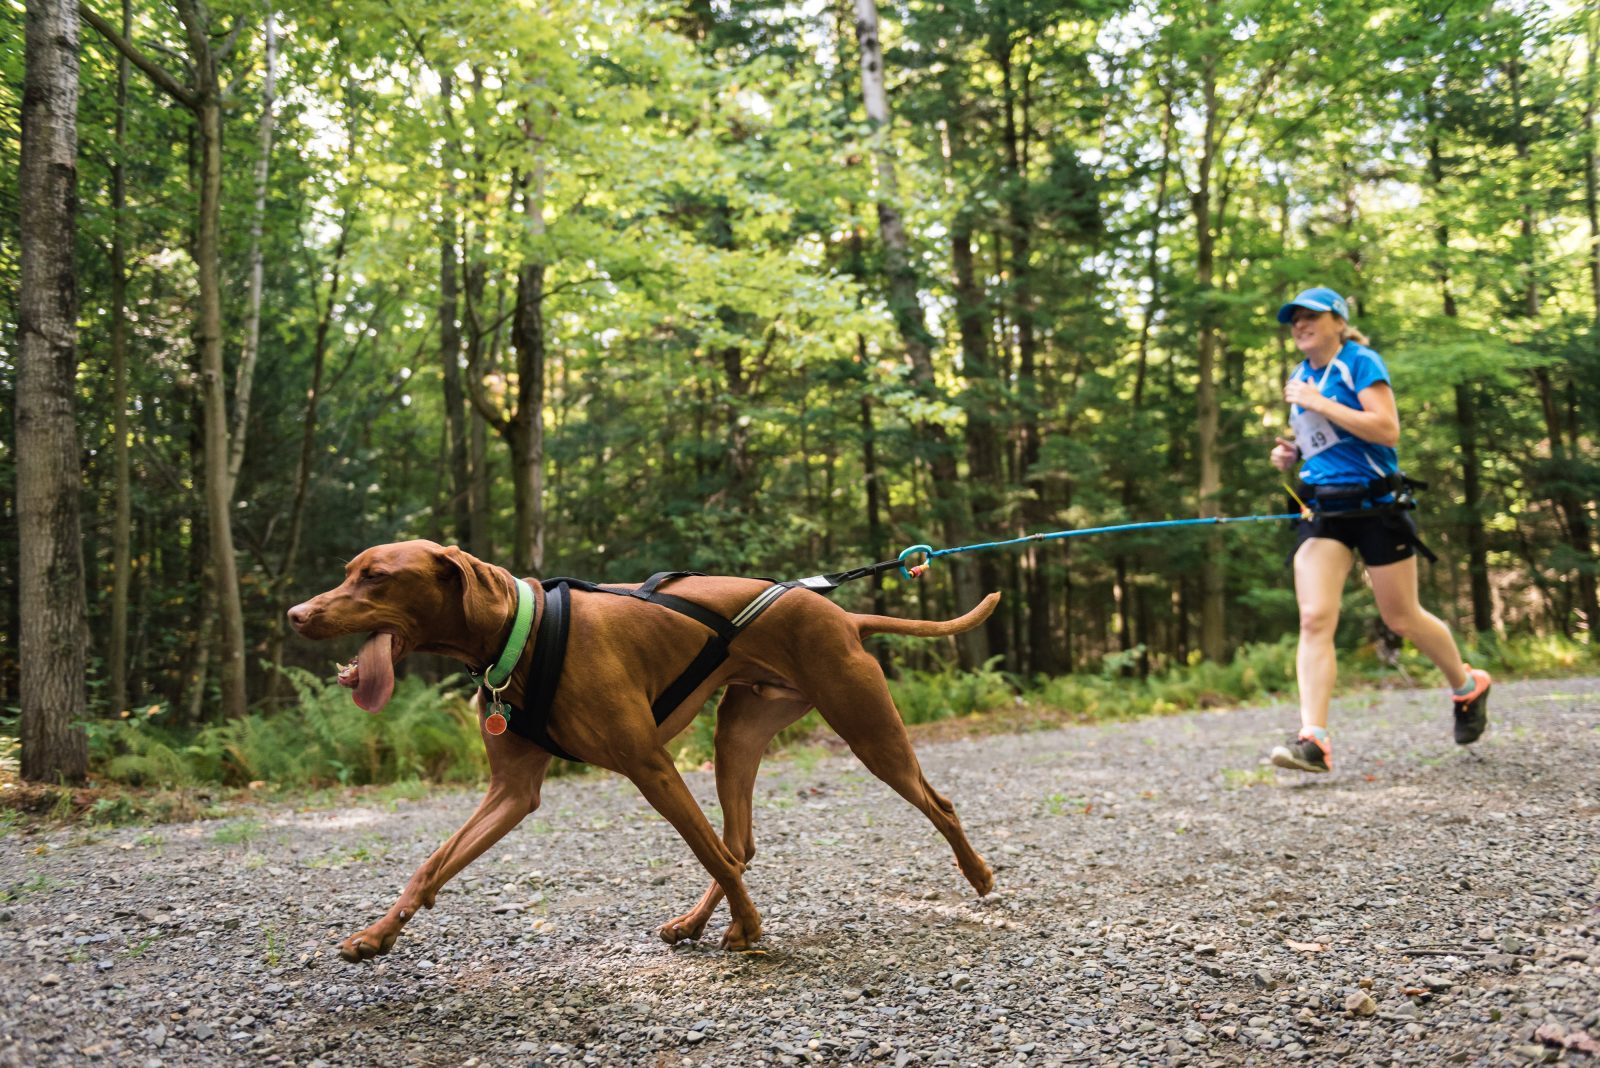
916	570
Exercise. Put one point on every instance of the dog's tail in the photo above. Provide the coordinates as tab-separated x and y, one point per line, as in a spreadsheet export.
926	628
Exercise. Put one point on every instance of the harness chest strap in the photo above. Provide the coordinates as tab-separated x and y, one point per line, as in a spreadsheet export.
531	720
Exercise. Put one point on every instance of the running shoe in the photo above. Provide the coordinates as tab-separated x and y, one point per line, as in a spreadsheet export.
1472	709
1306	752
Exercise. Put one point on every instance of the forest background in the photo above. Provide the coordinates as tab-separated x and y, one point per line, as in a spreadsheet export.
603	287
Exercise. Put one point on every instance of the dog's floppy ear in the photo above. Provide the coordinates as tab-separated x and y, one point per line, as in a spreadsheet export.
461	570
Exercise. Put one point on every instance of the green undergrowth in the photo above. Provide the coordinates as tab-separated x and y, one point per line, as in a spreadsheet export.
323	751
1266	671
1256	672
323	740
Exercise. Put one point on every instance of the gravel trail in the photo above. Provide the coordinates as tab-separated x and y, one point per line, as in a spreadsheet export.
1161	899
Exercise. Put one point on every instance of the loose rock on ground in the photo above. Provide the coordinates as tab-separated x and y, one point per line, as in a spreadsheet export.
1162	899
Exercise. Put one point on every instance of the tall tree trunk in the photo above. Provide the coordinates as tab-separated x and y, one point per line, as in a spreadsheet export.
904	301
1213	623
984	396
479	535
244	374
983	399
1591	159
458	506
1131	612
875	502
482	343
906	305
523	427
1466	417
478	453
1574	516
308	441
1472	494
1044	654
52	644
874	488
204	100
198	683
738	469
218	495
1591	176
525	435
1153	254
122	524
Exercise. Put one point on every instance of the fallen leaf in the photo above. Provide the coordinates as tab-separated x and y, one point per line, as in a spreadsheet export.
1304	947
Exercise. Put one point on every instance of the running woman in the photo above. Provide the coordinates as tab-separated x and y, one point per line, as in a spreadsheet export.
1346	431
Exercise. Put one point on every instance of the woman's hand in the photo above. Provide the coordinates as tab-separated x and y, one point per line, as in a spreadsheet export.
1285	454
1306	396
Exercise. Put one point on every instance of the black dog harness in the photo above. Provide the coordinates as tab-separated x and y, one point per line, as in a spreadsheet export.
532	720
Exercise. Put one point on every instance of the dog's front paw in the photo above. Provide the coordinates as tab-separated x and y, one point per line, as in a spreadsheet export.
683	929
364	945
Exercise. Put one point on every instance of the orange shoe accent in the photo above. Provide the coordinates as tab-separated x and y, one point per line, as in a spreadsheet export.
1324	744
1481	682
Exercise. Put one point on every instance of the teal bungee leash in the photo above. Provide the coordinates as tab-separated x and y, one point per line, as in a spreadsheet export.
929	553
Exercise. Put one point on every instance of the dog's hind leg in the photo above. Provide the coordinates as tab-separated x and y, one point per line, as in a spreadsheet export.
651	770
854	698
746	722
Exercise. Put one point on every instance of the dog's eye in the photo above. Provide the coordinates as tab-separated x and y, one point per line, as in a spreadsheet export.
376	575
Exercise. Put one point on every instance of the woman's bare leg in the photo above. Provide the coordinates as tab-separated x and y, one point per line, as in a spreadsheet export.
1321	566
1395	588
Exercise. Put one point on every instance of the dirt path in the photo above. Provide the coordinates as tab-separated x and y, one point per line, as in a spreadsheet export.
1162	899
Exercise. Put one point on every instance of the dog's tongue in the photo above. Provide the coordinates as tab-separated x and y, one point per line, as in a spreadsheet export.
375	682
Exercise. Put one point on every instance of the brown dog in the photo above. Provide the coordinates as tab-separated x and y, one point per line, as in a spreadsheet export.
803	652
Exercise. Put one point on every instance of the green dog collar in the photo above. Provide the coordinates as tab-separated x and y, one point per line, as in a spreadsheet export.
499	672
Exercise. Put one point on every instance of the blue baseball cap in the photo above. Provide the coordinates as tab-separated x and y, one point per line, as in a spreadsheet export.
1318	299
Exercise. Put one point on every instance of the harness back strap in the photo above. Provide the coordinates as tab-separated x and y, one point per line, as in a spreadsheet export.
826	584
531	721
715	650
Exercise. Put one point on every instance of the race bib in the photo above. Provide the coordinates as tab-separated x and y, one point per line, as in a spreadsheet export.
1312	431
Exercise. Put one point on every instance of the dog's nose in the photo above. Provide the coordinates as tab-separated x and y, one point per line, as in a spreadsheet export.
298	615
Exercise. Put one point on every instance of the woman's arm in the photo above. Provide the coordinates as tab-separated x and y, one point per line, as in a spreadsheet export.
1376	421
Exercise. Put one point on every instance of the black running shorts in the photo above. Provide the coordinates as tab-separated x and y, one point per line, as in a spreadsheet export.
1384	537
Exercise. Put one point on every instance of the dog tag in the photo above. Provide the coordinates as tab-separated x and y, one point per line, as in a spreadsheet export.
495	723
